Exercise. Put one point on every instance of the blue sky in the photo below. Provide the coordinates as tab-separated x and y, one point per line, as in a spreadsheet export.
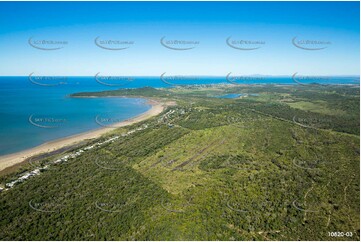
210	23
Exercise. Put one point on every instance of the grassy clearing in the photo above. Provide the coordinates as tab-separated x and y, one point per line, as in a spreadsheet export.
206	169
317	107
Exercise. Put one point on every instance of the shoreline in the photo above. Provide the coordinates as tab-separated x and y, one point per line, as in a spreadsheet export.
10	160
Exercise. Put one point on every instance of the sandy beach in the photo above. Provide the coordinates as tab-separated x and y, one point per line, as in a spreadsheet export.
18	157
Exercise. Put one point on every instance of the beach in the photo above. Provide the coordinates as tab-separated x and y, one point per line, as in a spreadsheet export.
7	161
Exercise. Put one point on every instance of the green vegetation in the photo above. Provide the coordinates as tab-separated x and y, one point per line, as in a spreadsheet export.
253	168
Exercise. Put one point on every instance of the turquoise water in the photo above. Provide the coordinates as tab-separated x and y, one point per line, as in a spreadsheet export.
237	95
32	114
232	95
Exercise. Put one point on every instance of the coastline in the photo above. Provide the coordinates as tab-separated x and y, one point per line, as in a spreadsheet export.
7	161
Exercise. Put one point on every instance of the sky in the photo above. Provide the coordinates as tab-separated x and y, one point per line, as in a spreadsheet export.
280	32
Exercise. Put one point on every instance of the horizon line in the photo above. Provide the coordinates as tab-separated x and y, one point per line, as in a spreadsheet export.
253	75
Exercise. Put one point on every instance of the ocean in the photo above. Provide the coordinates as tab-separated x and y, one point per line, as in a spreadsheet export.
36	110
